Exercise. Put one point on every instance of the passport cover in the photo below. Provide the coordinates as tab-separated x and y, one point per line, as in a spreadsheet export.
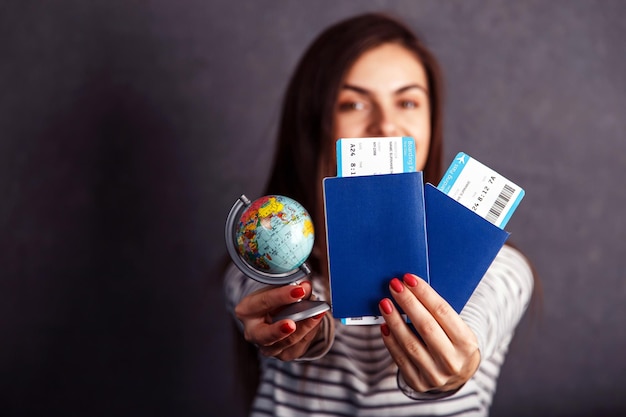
375	231
461	246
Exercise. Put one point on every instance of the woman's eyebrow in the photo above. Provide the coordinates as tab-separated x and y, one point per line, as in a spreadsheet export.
410	87
365	91
357	89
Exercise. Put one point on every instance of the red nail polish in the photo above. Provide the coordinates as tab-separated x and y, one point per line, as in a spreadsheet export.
396	285
410	280
385	329
286	328
297	292
386	306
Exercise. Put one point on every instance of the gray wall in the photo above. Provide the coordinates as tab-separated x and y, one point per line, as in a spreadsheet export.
128	128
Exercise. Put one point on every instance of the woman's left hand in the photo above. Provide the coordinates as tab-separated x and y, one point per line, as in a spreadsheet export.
445	355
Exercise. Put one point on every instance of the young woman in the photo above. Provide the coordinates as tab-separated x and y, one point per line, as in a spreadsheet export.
371	76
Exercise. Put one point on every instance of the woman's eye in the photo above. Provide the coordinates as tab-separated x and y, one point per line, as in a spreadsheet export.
408	104
351	105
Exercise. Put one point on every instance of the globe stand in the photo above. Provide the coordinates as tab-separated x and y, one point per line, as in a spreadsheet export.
297	311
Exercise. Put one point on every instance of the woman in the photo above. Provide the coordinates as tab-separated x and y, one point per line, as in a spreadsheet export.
370	76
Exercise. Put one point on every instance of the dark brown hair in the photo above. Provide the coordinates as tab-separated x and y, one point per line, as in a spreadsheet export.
306	127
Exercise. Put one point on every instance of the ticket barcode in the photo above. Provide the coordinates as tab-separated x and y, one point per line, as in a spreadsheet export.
503	199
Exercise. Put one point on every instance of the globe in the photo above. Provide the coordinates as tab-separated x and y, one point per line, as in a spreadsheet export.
274	234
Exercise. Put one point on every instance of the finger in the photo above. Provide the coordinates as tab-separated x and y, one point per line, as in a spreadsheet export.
413	348
421	318
446	317
266	335
295	344
267	300
398	354
406	366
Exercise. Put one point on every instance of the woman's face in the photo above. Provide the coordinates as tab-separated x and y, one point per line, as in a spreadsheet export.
385	93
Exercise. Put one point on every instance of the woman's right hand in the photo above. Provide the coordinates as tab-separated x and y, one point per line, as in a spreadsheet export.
285	339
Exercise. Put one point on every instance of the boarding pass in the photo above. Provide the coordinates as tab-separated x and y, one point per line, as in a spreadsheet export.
481	189
373	156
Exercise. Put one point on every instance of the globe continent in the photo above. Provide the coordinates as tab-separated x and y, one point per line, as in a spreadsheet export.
275	234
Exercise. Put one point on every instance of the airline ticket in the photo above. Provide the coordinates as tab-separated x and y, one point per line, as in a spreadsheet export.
373	156
481	189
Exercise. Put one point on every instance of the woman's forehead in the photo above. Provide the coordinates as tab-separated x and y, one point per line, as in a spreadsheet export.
389	66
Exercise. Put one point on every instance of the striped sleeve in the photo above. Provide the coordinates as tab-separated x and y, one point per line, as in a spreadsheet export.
236	287
499	301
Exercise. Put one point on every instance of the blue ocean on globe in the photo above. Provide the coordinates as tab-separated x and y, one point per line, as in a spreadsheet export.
275	234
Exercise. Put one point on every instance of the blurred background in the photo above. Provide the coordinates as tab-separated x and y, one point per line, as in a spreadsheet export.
128	128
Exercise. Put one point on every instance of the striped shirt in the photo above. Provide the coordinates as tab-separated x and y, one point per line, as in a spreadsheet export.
349	372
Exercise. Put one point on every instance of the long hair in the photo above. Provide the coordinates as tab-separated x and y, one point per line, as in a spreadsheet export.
305	132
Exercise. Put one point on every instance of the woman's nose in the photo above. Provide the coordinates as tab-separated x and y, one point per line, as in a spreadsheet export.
382	123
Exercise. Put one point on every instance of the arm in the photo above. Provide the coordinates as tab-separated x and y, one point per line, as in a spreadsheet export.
500	300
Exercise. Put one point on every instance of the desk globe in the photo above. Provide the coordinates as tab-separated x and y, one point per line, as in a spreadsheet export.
269	240
275	234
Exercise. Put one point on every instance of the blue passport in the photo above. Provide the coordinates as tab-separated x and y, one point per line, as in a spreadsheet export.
382	226
376	230
461	246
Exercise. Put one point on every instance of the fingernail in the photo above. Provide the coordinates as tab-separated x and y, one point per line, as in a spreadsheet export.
286	328
396	285
386	306
410	280
384	329
297	292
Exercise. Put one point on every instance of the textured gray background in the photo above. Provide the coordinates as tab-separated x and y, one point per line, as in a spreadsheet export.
128	128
